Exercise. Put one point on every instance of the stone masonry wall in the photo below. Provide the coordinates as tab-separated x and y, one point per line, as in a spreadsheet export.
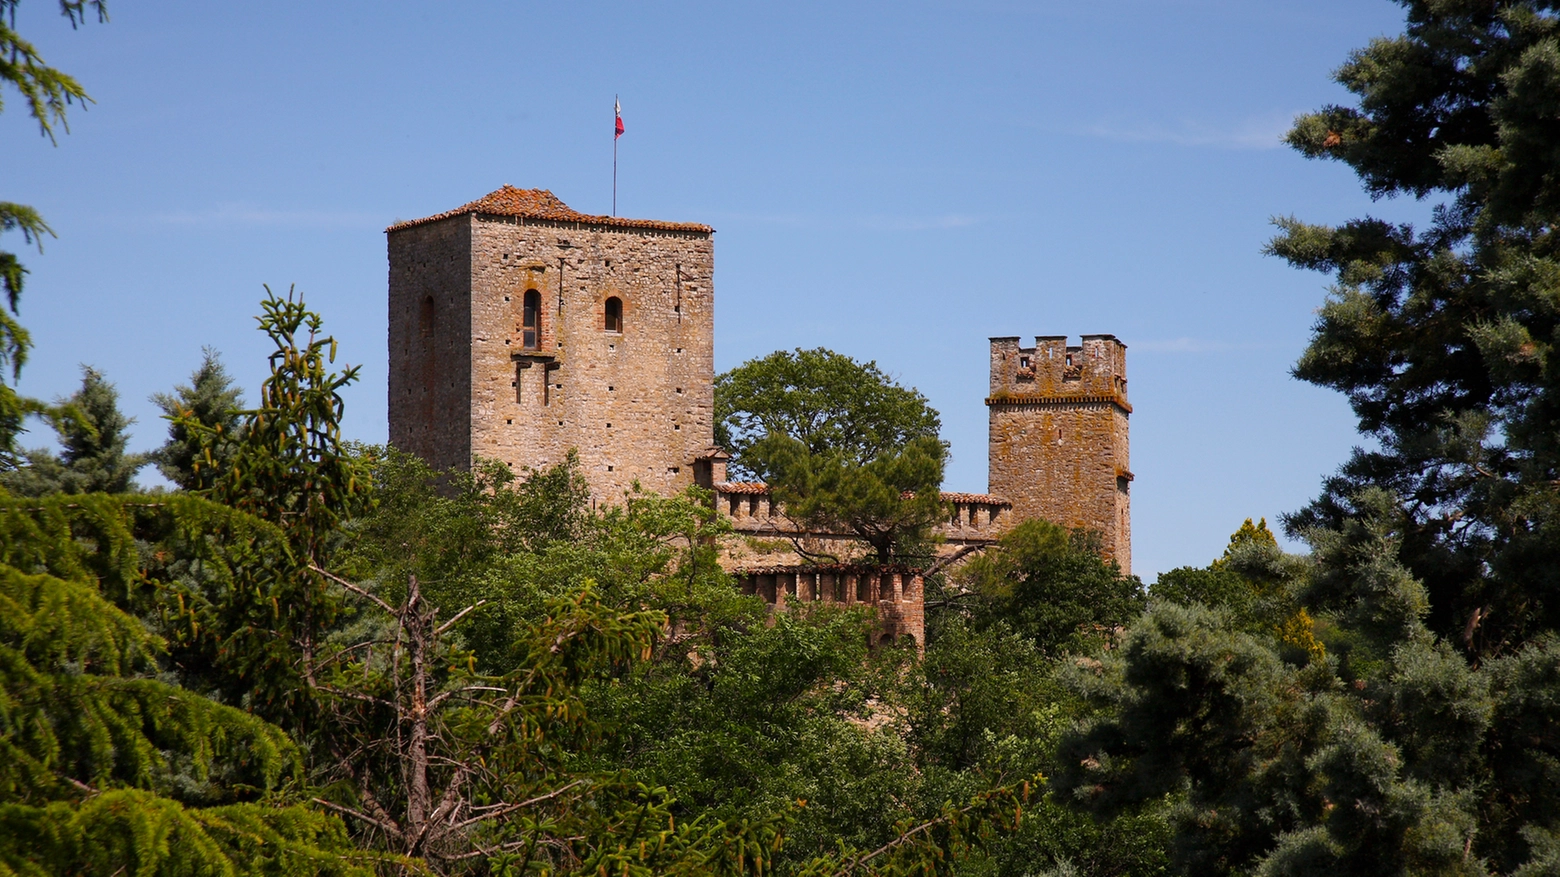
430	341
1058	435
637	404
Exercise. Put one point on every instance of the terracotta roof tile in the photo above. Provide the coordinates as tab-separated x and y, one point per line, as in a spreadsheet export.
976	498
786	569
542	204
742	487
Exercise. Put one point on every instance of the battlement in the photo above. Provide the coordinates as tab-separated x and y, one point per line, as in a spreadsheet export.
972	517
1058	434
896	593
1095	367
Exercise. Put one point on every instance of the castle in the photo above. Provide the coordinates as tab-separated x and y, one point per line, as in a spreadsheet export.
521	329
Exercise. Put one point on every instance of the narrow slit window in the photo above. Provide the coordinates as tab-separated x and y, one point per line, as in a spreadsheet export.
531	320
613	315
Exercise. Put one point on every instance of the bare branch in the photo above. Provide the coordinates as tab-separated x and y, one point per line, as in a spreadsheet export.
521	805
905	838
444	628
387	827
953	558
353	588
446	695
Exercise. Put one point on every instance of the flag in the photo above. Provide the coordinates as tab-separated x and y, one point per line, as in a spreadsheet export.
617	114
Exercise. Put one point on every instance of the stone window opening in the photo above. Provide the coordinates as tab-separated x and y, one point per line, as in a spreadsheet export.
531	320
612	315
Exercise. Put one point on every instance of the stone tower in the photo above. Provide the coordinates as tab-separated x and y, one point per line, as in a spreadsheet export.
520	328
1058	436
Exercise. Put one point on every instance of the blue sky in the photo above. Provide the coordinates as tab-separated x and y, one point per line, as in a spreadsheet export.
897	181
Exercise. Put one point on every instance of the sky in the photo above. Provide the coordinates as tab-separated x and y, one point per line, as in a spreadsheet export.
897	181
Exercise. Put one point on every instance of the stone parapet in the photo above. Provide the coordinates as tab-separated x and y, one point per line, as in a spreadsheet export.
972	517
896	593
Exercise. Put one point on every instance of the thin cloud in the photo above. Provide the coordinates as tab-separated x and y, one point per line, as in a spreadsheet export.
243	214
1256	132
910	223
874	222
1192	345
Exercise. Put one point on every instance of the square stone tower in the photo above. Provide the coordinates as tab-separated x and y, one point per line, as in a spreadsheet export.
1058	435
520	328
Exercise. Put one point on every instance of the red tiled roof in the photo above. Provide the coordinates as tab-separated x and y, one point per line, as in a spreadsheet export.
760	487
742	487
542	204
787	569
976	498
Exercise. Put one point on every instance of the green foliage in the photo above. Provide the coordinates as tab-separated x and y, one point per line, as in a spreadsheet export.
1442	337
47	93
92	459
211	399
890	502
825	400
286	464
1050	586
105	766
842	446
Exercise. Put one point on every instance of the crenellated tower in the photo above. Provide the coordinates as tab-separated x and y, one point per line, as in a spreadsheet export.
1058	435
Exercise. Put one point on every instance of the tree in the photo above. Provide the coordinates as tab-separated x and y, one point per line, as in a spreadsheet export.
286	465
47	92
92	459
1049	585
825	400
1442	338
104	764
841	445
1420	741
212	400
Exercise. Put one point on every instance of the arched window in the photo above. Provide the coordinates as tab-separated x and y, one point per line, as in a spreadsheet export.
614	315
531	320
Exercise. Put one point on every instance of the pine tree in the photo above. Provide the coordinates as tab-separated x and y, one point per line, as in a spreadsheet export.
47	92
212	400
1443	337
1422	740
92	459
104	766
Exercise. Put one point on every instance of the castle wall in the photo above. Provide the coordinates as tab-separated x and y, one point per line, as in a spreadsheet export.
636	403
1058	435
430	341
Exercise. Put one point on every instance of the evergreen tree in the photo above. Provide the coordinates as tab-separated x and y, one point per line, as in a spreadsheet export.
212	400
47	92
1421	740
92	459
1443	337
105	766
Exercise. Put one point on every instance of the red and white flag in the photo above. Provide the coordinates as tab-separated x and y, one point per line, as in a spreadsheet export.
617	114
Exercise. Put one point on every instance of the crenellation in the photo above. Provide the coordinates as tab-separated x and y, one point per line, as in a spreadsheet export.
1058	442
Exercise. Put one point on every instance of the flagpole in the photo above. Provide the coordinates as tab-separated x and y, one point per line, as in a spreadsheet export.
614	155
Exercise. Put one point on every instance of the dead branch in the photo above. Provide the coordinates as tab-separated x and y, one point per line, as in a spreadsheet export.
353	588
953	558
